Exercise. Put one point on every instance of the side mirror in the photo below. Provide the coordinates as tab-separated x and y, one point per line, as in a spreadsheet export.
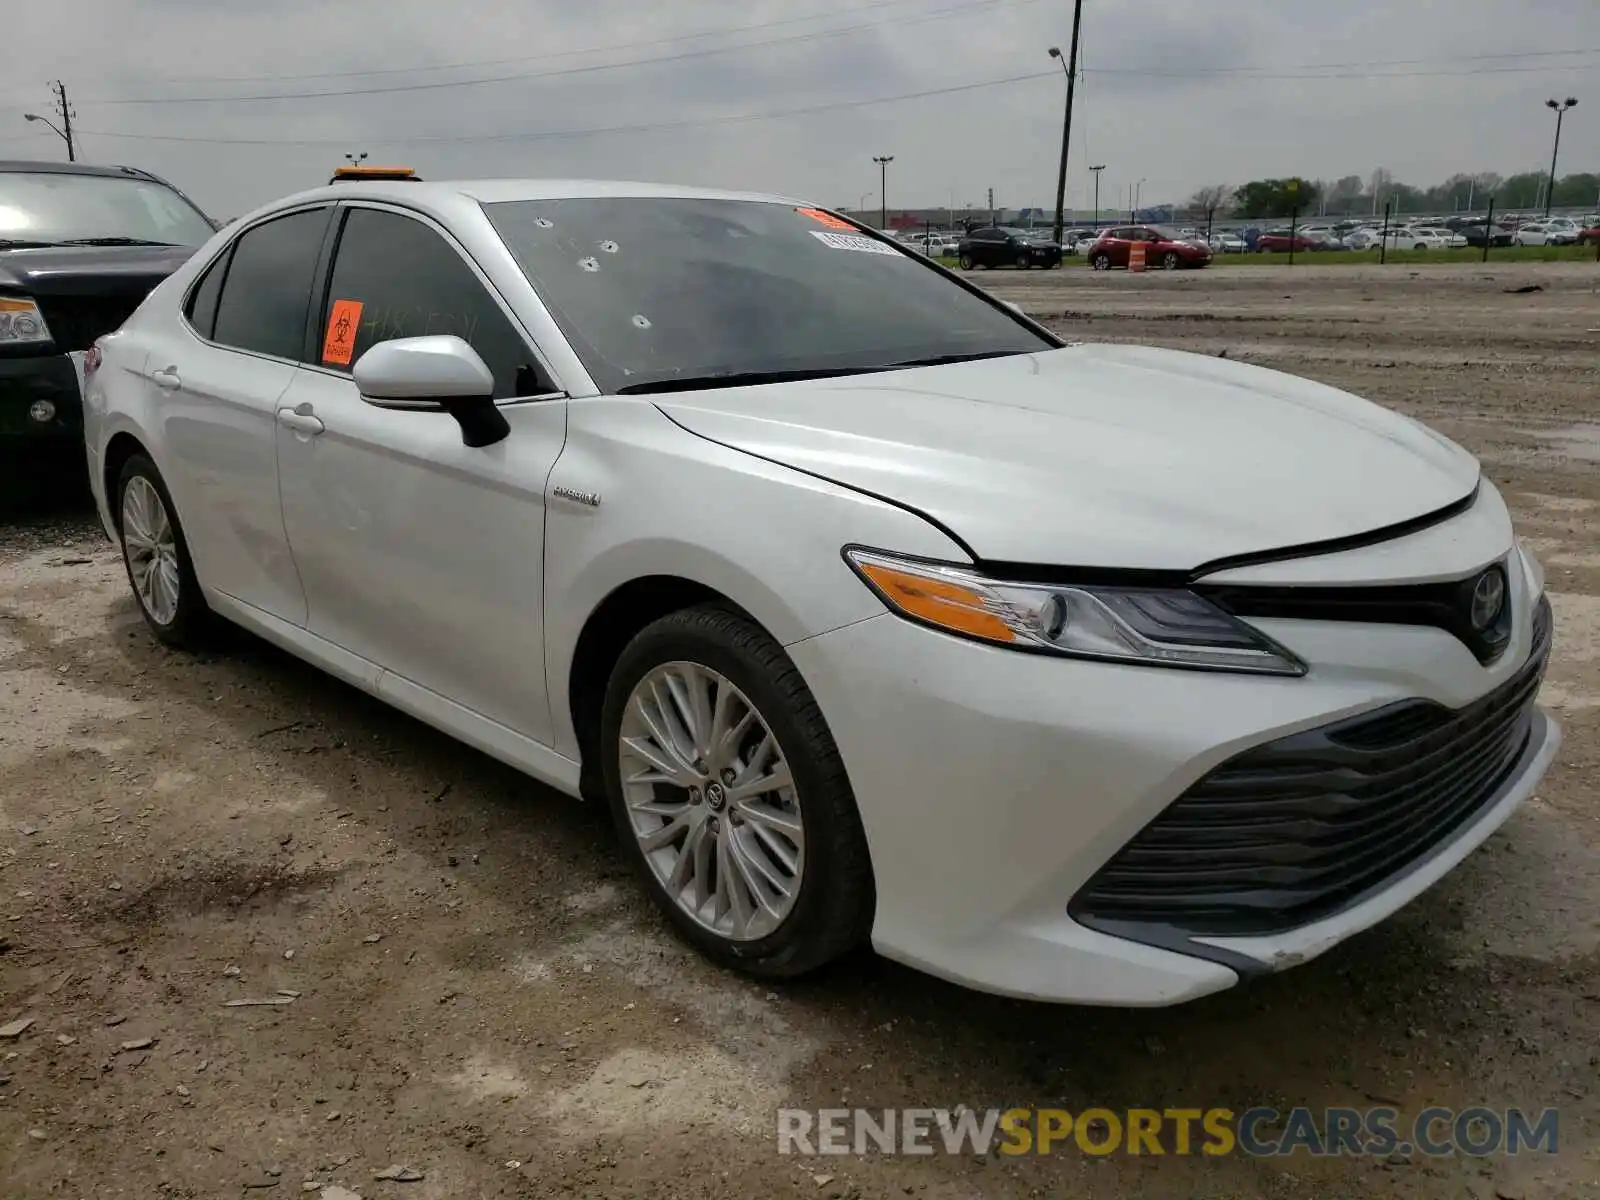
434	373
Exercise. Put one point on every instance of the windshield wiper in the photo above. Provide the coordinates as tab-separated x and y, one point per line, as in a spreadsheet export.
728	379
112	241
23	244
944	360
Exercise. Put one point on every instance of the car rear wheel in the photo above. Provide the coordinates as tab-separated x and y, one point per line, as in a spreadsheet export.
157	557
1170	261
965	262
1100	262
730	797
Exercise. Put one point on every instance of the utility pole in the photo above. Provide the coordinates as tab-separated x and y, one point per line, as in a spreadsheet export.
883	161
1071	66
64	110
64	107
992	218
1560	109
1097	171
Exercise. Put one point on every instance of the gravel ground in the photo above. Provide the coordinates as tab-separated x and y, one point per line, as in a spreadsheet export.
467	984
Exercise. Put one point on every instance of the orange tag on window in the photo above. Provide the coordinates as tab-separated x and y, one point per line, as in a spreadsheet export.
339	343
827	219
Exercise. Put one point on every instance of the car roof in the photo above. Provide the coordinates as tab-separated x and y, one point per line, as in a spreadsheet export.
428	193
449	200
73	168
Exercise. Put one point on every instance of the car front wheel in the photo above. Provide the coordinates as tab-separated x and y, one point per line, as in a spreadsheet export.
1170	261
1101	262
965	262
157	557
730	797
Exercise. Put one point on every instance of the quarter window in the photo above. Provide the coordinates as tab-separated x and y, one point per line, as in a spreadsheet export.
393	277
202	307
267	294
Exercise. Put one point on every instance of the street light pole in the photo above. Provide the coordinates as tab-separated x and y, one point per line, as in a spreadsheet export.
1070	66
1137	188
1560	109
1097	171
883	161
355	159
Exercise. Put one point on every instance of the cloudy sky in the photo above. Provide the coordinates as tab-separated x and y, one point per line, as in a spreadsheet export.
797	96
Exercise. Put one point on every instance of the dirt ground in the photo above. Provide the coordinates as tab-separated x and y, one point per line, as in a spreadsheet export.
472	987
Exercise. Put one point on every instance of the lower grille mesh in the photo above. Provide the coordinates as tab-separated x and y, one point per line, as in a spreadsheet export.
1294	830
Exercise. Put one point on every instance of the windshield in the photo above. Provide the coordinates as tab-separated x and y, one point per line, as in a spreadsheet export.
47	207
653	290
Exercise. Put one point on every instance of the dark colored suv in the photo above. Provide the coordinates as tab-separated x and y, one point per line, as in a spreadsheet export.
80	248
999	246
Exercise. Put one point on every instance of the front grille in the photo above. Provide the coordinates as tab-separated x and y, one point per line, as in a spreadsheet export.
75	321
1446	606
1292	831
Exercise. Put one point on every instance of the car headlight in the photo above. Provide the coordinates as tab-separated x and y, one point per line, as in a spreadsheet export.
21	322
1166	627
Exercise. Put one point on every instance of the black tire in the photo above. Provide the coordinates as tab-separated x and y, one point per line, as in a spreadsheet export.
1170	261
965	262
1100	262
833	912
193	625
1024	260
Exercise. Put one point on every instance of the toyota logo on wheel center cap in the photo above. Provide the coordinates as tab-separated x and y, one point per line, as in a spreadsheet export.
1488	599
715	796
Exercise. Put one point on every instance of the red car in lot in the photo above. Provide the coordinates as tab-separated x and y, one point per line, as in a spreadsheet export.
1161	249
1280	241
1590	237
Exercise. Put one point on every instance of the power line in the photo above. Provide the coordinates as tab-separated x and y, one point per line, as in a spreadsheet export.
1384	62
521	76
851	9
543	135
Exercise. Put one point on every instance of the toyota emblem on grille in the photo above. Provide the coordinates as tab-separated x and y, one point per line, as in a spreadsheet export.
1488	599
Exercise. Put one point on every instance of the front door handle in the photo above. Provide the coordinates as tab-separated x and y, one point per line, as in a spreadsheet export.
167	379
301	419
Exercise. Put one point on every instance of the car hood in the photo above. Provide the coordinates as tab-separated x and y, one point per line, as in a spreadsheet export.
78	270
1102	455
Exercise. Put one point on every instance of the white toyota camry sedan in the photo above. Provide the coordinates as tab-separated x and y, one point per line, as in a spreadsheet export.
873	610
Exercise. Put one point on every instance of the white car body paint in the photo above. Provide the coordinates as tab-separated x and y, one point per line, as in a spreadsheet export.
455	583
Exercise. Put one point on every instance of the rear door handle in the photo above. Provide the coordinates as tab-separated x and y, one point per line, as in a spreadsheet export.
301	419
167	379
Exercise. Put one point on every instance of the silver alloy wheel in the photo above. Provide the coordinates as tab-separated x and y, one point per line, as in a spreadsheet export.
151	547
711	800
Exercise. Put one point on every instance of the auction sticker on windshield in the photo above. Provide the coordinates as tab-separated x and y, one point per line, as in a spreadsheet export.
826	218
847	241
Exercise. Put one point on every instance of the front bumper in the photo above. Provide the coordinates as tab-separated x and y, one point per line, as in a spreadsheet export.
24	382
994	785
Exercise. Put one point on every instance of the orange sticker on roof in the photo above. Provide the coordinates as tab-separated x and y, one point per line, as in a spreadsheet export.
339	343
826	218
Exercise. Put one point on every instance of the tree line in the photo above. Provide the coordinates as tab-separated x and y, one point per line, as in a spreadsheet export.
1354	196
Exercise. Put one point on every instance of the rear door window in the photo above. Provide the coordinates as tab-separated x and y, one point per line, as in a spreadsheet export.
266	296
